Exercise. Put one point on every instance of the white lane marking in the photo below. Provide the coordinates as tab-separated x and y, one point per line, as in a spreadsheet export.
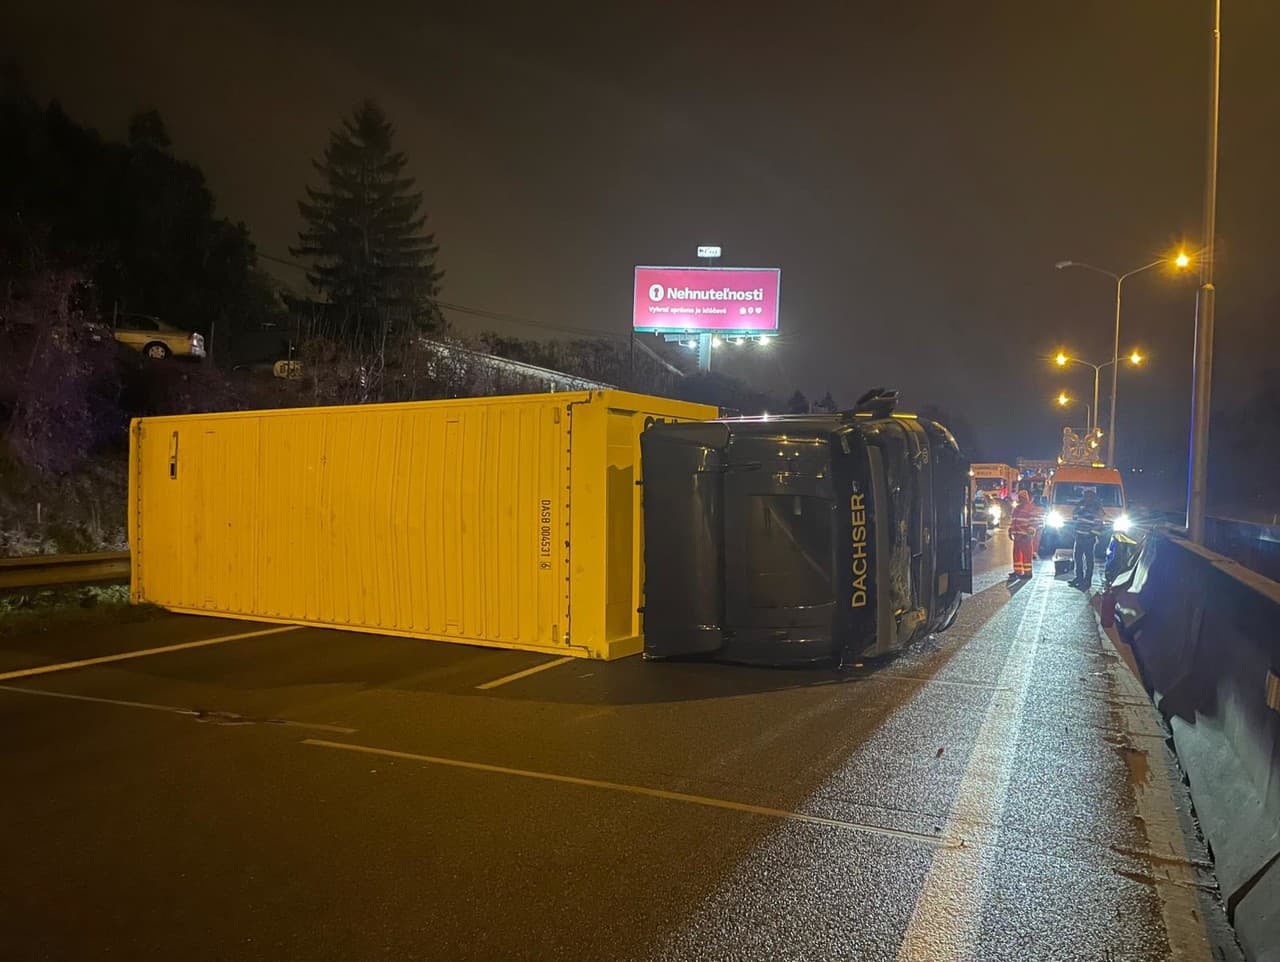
171	709
934	841
505	679
948	910
126	655
102	701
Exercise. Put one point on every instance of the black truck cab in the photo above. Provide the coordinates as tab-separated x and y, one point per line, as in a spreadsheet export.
801	539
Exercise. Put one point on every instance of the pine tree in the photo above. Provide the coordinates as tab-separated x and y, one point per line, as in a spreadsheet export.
799	404
828	404
364	237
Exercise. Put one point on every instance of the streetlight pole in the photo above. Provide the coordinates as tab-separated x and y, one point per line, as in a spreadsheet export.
1115	377
1097	376
1202	383
1115	354
1063	401
1063	359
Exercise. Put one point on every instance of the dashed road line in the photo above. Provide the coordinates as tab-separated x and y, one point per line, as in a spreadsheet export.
220	717
516	676
934	841
143	653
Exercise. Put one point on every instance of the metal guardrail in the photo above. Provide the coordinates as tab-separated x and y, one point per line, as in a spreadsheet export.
1256	546
38	571
1206	643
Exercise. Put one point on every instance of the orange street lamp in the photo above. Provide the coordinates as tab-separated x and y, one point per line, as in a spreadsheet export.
1180	261
1065	399
1062	359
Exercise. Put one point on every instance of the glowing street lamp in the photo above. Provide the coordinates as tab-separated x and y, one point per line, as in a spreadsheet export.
1062	359
1065	399
1180	261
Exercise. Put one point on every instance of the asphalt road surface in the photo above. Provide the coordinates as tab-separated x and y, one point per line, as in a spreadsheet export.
1000	792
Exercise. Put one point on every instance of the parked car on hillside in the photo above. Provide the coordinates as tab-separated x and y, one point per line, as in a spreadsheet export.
156	339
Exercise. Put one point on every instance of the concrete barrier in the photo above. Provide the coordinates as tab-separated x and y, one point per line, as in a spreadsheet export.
1208	643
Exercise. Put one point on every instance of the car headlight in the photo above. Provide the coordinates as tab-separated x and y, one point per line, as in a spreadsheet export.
1055	519
995	514
1122	524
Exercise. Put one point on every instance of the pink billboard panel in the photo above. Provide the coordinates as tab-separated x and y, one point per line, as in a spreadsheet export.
689	299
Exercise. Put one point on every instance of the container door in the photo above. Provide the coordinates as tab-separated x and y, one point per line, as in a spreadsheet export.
780	550
683	504
159	491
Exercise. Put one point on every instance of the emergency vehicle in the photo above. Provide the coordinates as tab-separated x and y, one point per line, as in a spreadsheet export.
998	482
1066	489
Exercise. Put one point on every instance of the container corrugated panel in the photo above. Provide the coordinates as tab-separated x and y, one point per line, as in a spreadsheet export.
512	522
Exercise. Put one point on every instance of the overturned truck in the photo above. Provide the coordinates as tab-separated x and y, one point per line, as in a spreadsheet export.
802	539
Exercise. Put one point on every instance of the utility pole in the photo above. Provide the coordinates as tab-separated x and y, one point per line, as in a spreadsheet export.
1202	382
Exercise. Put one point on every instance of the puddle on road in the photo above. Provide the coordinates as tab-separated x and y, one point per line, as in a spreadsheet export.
1136	761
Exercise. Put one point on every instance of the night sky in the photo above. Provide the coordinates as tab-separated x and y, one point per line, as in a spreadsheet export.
915	169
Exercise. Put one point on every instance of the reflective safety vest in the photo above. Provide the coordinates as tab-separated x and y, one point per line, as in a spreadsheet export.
1025	520
980	509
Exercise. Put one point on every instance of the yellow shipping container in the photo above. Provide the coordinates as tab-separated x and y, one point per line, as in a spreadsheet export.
510	521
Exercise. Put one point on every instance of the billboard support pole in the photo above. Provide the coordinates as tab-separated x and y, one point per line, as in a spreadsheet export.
704	353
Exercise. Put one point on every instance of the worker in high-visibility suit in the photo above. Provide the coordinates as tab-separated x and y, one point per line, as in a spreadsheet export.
1024	532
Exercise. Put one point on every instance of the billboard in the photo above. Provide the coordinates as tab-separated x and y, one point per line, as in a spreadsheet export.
681	300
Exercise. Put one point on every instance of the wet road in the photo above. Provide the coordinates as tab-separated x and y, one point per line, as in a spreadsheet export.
999	792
